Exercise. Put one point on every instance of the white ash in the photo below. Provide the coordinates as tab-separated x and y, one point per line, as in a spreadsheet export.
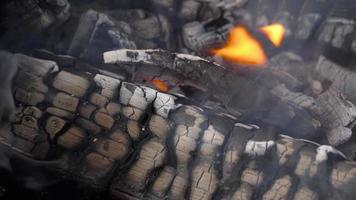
323	151
110	85
258	148
163	104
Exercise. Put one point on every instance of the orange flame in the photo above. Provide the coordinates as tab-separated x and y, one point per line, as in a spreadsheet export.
160	85
275	33
242	48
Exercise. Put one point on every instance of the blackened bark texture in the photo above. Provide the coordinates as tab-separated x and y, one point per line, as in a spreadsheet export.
141	144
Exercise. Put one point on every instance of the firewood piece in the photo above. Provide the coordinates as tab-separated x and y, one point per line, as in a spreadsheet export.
198	38
98	100
33	111
94	28
97	162
204	183
136	96
298	99
113	108
25	132
133	129
120	137
151	156
86	110
336	114
29	98
30	82
30	122
112	149
305	193
59	113
279	189
88	125
132	113
159	126
343	79
336	31
61	60
203	72
161	184
66	102
37	67
72	138
243	193
71	83
163	104
258	148
311	15
104	120
189	10
109	86
54	125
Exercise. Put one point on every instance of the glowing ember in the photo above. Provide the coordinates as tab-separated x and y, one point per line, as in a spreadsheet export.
160	85
242	48
275	33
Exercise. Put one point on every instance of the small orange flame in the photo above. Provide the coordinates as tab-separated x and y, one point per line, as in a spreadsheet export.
242	48
160	85
275	33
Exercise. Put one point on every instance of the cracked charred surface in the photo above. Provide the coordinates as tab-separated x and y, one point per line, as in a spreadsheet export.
264	95
141	144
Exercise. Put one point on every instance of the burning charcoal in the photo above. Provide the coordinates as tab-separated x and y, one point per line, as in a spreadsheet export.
38	15
153	27
138	143
330	108
198	37
306	25
342	79
61	60
189	10
246	96
95	34
264	12
312	13
32	17
336	115
336	31
209	10
339	26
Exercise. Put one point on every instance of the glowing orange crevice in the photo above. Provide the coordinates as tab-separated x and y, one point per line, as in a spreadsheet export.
242	48
160	85
275	33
